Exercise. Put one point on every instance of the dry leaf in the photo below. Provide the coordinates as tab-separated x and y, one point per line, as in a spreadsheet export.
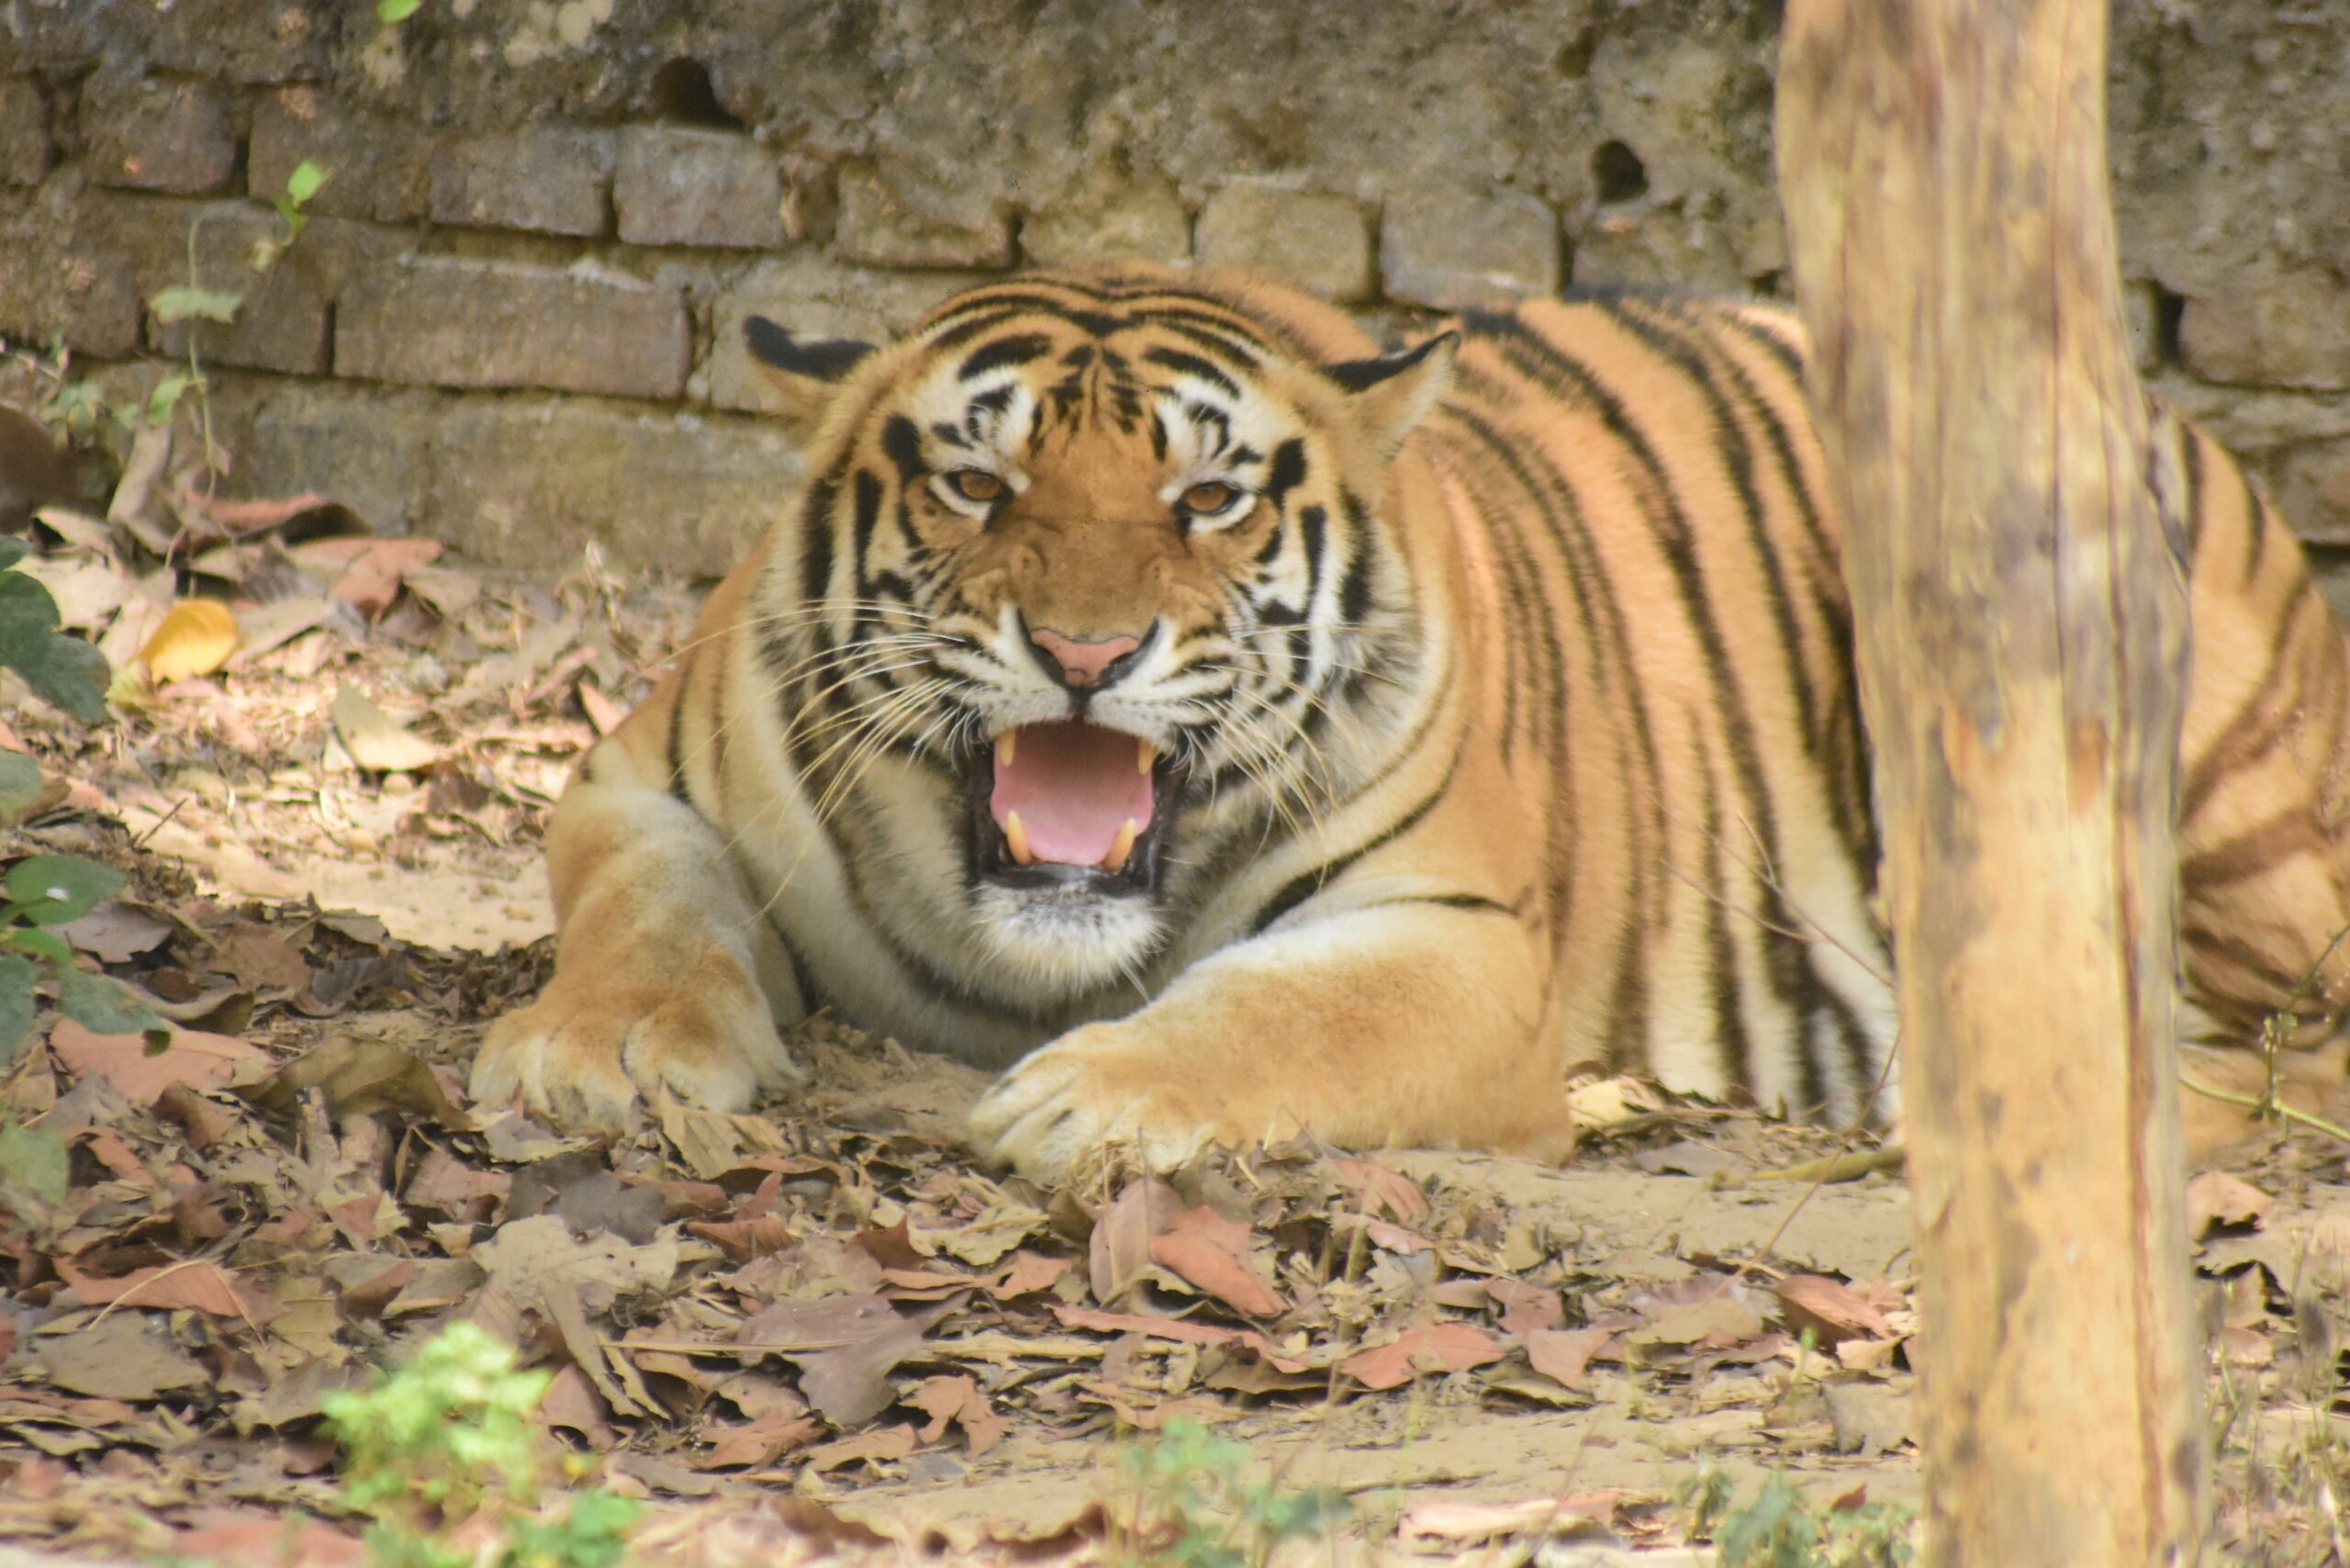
1831	1311
1120	1246
125	1355
1561	1354
195	638
2215	1198
1213	1253
1439	1346
881	1444
196	1060
115	933
193	1286
360	1078
846	1348
1398	1194
601	710
374	741
372	581
958	1399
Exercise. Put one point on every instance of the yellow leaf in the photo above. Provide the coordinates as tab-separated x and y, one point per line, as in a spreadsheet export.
195	638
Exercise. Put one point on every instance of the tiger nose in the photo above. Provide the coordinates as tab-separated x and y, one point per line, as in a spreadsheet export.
1080	662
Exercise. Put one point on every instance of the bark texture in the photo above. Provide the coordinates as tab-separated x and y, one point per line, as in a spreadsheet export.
2021	621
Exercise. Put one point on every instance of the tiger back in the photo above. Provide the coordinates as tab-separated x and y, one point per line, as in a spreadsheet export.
1157	692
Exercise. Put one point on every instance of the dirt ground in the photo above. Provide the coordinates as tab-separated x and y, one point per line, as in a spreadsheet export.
822	1332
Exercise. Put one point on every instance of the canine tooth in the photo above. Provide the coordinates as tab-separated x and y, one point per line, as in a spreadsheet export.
1004	743
1017	837
1145	755
1121	846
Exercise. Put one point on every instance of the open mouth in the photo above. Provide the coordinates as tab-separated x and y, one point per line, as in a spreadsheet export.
1067	804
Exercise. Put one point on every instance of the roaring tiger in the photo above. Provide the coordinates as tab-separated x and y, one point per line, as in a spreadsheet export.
1226	728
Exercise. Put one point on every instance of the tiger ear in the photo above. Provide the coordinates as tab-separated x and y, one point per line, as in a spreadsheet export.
1391	393
805	370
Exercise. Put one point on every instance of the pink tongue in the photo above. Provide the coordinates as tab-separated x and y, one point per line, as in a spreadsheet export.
1074	786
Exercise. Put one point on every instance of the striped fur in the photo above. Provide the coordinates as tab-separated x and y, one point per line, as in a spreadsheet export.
1509	727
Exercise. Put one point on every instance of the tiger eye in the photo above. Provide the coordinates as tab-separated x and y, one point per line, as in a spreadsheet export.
976	484
1209	499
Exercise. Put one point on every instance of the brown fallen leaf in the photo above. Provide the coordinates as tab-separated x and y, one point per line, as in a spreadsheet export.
845	1346
1177	1328
1831	1311
1438	1346
537	1265
374	739
601	710
193	1285
1561	1354
115	933
2215	1198
359	1077
1213	1253
1119	1248
1525	1309
761	1440
877	1446
259	959
1397	1193
957	1398
127	1354
372	581
196	1060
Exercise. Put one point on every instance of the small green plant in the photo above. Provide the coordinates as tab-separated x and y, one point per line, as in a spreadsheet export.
1783	1528
449	1439
1190	1506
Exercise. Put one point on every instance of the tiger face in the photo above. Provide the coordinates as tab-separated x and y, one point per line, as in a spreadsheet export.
1098	569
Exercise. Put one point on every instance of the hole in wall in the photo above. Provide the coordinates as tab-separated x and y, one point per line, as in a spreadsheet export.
2170	310
682	95
1618	173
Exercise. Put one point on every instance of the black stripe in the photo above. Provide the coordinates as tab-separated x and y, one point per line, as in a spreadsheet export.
902	445
1193	365
1307	884
1015	351
816	541
1289	470
869	513
1476	903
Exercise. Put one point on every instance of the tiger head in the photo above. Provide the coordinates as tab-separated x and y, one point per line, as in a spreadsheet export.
1105	555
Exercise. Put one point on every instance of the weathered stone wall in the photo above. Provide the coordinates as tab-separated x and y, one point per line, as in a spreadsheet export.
515	322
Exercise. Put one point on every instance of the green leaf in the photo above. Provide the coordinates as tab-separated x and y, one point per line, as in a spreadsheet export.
21	784
50	890
46	945
183	301
13	551
18	978
33	1159
103	1007
166	397
64	670
392	12
304	182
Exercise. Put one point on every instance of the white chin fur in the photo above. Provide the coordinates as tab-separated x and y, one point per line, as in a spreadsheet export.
1062	942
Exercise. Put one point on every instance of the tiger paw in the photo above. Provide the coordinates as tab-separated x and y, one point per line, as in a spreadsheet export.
1092	1089
589	1052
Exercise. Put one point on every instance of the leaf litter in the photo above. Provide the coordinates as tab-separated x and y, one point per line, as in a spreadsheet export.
822	1330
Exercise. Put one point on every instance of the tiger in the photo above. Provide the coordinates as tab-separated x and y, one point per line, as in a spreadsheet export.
1223	727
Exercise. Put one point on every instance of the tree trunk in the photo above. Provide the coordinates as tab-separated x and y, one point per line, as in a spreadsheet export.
2021	619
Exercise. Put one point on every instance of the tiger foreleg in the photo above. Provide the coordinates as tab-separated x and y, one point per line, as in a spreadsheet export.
658	967
1410	1023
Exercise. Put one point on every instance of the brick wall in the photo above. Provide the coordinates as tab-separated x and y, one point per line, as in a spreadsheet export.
516	319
